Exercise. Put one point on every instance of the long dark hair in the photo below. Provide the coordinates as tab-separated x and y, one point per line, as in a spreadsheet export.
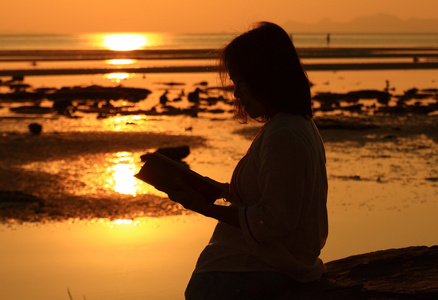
266	59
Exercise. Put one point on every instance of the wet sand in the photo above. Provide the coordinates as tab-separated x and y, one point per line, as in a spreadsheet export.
414	58
304	53
60	192
67	144
102	244
212	69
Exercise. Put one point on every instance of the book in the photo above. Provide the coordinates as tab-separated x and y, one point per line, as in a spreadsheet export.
161	171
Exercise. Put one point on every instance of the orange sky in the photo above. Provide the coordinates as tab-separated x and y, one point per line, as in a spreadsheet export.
66	16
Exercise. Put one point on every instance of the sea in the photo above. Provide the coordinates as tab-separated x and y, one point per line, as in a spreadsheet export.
97	232
209	40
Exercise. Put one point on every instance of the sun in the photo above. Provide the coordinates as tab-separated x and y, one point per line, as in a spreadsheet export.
125	41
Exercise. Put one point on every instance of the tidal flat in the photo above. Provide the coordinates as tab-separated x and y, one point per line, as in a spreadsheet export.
101	233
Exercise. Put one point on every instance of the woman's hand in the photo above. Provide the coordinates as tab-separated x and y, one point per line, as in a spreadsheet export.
187	197
224	187
193	200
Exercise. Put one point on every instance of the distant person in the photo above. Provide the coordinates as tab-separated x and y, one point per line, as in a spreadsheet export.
271	234
328	39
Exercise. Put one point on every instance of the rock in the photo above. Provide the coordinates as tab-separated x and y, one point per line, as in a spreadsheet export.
174	111
17	199
343	123
433	179
35	128
406	273
216	111
172	83
18	77
99	93
193	97
408	109
175	153
62	104
213	100
202	83
31	109
19	87
381	97
163	98
332	100
415	93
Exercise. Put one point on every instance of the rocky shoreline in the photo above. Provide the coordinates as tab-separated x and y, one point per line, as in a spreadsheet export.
405	273
100	99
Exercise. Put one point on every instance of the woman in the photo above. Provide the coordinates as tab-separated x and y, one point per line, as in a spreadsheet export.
271	235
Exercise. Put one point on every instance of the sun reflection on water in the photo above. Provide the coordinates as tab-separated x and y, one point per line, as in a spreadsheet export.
117	77
120	123
124	222
122	166
120	61
123	171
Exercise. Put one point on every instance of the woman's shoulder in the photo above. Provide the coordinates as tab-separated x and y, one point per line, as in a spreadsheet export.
289	130
288	122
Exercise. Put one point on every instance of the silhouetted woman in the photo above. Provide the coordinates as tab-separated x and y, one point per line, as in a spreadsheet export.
271	235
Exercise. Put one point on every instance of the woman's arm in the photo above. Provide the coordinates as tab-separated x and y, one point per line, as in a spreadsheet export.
226	214
224	187
195	201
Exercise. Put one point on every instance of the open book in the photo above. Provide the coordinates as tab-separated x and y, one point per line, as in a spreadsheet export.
161	171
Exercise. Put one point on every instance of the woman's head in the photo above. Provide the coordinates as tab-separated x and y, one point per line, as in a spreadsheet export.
266	61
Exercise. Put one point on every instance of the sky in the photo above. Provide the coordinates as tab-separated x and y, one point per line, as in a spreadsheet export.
86	16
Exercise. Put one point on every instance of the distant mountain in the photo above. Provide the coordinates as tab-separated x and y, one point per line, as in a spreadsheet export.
370	24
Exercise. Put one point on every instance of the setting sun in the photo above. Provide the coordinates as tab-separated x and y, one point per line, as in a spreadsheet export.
125	41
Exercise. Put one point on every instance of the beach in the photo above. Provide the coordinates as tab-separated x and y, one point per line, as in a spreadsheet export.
203	60
97	233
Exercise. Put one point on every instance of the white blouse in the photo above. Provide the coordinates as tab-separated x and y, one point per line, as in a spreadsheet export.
280	187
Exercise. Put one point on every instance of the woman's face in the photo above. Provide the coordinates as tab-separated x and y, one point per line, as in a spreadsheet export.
252	106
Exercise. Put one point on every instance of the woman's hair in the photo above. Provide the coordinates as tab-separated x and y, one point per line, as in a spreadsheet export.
266	60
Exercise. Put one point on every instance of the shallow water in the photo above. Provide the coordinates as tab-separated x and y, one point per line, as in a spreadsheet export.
382	189
147	259
153	258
